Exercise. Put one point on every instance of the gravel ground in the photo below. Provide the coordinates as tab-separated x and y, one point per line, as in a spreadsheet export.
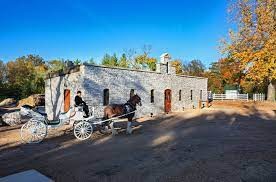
236	143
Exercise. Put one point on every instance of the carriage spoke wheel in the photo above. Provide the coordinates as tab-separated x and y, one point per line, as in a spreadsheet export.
33	131
83	130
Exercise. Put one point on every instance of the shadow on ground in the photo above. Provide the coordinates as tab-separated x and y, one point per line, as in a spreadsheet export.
207	145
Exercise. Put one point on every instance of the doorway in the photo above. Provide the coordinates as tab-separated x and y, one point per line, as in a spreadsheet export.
66	100
168	100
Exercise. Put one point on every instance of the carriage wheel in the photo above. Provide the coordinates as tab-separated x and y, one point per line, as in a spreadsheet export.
33	131
83	130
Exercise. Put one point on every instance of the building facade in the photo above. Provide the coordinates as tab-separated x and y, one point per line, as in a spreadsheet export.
161	90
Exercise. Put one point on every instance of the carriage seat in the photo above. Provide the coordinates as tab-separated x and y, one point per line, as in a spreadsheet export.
78	108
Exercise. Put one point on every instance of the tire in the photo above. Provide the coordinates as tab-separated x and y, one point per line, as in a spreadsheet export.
83	130
34	131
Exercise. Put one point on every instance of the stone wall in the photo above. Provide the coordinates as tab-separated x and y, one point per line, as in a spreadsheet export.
121	81
92	80
54	92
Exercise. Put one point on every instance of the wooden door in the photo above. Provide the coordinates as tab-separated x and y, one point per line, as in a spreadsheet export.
168	99
66	100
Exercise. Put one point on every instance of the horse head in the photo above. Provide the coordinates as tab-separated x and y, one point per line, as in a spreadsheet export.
136	100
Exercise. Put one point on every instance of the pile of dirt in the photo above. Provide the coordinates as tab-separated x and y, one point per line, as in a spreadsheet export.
33	100
7	102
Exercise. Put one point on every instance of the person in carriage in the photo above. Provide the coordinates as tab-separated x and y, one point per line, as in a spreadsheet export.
80	102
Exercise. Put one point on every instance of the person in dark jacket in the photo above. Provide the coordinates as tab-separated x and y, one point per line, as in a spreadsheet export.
80	102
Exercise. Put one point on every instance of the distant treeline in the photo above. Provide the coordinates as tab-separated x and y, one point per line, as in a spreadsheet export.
25	75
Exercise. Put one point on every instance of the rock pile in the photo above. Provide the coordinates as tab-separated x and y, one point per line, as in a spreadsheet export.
7	102
33	100
12	119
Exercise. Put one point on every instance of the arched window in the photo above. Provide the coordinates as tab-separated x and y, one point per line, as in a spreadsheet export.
106	97
179	95
200	96
191	94
131	94
152	96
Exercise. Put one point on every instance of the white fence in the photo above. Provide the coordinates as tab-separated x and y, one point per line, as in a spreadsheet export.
230	97
258	97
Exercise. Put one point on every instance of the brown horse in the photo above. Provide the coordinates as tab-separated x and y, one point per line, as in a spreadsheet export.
117	110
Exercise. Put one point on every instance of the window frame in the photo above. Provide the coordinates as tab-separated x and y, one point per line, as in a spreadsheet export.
106	97
152	96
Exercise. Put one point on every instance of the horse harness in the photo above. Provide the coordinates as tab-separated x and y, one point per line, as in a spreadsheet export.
128	108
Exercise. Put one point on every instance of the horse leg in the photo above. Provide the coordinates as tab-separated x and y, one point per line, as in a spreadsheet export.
129	129
114	132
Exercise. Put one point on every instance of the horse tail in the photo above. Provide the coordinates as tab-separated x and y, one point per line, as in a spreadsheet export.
105	114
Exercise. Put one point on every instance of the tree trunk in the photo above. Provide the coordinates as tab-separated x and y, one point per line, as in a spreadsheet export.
271	91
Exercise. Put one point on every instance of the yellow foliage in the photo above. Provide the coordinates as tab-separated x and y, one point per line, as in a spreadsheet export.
254	43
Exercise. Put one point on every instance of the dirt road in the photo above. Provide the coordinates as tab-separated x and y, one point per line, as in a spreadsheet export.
208	145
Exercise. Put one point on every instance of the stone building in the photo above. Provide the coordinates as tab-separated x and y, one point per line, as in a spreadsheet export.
161	90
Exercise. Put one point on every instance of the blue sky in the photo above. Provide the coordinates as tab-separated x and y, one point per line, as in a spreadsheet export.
83	29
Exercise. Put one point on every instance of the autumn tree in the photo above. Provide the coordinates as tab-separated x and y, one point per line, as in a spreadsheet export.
151	63
177	63
144	60
26	75
253	44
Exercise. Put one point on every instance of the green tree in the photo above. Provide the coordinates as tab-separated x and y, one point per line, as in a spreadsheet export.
110	60
77	62
114	60
56	65
195	68
215	80
3	73
106	60
91	61
123	61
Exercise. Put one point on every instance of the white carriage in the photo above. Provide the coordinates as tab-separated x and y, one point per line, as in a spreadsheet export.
36	129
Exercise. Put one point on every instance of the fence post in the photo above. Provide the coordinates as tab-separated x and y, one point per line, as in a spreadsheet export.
247	97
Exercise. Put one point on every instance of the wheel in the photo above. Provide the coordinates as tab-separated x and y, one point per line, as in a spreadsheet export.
105	129
83	130
33	131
